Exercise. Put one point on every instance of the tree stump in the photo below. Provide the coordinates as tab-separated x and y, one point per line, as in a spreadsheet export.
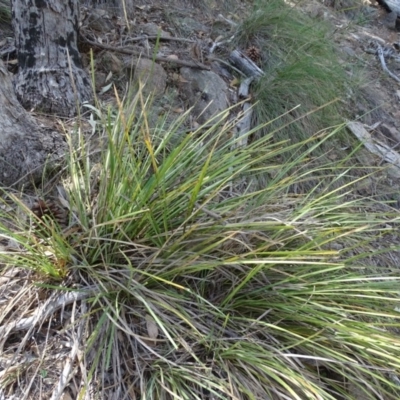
25	148
50	75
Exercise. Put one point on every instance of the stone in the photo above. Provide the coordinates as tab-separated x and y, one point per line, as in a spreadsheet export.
390	20
393	171
108	61
205	91
100	80
98	20
189	25
152	29
151	75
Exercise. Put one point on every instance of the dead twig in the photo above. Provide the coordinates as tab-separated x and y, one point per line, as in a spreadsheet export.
156	58
66	374
49	307
385	68
154	37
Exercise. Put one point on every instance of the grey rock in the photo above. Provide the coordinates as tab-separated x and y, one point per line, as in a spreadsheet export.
189	25
153	29
98	20
109	61
349	51
151	75
205	91
393	171
390	20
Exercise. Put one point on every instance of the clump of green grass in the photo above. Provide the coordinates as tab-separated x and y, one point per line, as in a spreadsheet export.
300	63
199	287
304	80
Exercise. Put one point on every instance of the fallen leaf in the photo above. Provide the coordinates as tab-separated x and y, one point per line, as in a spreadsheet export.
152	328
66	396
109	76
234	82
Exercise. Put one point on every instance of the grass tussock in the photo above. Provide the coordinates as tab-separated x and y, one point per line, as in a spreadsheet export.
191	285
302	71
305	88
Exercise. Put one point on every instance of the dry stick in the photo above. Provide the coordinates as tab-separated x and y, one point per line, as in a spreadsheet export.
49	307
243	125
220	16
171	38
66	375
385	68
251	71
156	58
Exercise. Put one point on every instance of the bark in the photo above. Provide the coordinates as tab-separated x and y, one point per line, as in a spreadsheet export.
51	77
25	149
245	64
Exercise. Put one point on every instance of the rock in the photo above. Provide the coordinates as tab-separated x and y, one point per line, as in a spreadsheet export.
151	75
393	171
390	20
189	25
205	91
100	80
108	61
348	51
98	20
153	29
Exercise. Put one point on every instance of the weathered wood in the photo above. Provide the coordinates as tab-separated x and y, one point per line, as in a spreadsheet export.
25	148
244	124
50	75
248	68
245	65
373	145
132	52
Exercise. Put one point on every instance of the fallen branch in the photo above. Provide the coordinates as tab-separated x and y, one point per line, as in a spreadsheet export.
155	37
248	68
221	17
156	58
372	145
385	68
66	374
244	124
53	304
245	64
